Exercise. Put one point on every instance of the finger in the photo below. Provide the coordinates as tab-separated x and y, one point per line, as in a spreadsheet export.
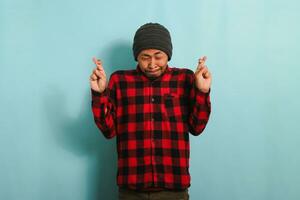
93	77
100	73
203	69
99	64
198	68
100	67
97	61
202	60
96	71
207	74
201	66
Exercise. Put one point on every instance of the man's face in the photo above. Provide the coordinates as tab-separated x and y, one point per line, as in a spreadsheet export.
152	62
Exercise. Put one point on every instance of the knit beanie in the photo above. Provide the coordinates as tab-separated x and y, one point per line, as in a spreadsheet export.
152	36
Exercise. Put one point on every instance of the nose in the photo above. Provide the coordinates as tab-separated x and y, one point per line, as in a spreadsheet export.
151	64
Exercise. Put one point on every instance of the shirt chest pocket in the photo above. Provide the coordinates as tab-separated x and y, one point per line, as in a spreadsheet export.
175	106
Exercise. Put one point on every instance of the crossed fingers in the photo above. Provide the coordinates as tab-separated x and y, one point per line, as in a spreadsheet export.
98	72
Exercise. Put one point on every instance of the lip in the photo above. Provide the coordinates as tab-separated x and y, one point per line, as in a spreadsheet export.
154	71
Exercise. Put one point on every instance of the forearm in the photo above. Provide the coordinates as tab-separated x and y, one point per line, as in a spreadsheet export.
200	111
104	113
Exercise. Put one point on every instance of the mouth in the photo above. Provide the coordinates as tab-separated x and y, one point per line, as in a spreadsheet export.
152	71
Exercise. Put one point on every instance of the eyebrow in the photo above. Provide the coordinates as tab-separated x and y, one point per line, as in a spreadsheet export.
144	54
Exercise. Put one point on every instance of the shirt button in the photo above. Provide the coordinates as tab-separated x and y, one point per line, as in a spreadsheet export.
152	119
153	99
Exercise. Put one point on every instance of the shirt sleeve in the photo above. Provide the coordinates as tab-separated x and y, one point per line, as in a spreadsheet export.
104	110
199	111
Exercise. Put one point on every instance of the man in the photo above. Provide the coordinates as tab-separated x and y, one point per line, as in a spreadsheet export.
151	111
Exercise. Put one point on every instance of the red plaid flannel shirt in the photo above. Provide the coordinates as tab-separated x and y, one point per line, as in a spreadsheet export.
152	120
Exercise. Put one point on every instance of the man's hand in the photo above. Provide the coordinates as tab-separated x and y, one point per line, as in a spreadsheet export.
202	76
98	77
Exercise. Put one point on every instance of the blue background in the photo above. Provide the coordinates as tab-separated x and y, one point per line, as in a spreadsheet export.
50	147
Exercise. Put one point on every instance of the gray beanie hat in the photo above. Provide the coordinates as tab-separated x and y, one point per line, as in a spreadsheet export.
152	36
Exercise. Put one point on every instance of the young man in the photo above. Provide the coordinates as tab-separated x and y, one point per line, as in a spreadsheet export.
151	110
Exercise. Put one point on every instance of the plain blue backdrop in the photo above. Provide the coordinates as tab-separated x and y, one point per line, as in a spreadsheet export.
50	147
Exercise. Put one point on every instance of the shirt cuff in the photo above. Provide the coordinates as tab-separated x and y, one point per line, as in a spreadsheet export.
98	94
202	93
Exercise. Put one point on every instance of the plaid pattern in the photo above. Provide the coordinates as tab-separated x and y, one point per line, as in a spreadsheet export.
152	120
